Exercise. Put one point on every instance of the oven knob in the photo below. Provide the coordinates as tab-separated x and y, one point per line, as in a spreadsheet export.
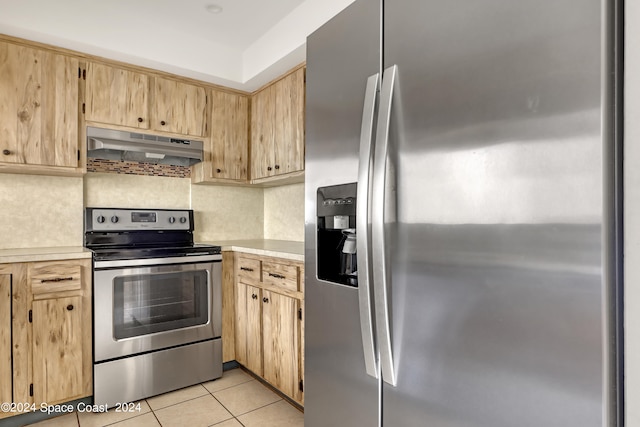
114	219
183	220
172	219
100	219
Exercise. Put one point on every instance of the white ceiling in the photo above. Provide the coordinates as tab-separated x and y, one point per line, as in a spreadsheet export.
245	46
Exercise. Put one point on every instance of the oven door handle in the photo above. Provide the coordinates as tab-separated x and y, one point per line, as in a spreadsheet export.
144	262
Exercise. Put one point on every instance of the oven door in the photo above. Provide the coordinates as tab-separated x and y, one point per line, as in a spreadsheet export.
148	308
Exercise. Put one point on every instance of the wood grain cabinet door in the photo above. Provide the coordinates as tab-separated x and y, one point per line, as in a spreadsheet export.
179	107
39	108
57	350
229	135
6	374
117	96
289	123
262	133
249	327
281	334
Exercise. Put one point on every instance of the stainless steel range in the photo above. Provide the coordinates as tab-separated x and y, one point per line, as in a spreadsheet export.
157	303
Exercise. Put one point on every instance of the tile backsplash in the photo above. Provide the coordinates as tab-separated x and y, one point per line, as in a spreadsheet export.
137	168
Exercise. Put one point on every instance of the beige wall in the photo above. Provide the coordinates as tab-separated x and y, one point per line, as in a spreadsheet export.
221	212
119	191
40	211
227	212
284	212
632	212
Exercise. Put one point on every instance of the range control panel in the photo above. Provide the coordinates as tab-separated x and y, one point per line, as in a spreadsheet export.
111	219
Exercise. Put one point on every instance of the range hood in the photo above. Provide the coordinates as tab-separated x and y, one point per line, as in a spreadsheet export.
138	147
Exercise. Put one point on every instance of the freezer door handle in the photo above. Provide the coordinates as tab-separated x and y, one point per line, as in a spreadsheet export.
381	210
363	228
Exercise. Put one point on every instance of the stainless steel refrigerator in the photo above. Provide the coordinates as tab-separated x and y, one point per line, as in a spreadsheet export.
462	215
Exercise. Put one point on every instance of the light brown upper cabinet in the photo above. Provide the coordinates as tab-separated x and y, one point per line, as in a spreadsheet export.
277	128
179	107
132	99
116	96
39	111
227	151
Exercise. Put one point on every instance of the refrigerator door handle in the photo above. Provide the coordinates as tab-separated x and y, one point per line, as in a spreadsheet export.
363	228
381	271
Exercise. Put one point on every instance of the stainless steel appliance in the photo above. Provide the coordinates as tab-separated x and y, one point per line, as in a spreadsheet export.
483	138
114	144
157	303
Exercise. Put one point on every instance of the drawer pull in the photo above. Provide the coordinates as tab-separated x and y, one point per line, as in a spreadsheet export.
277	276
70	307
57	279
246	269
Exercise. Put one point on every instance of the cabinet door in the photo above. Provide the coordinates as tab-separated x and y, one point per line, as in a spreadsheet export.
229	135
282	347
289	123
249	327
179	107
262	133
117	96
39	108
57	350
5	338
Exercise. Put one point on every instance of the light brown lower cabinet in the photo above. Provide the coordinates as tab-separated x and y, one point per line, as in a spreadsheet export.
49	332
268	321
281	343
249	327
5	337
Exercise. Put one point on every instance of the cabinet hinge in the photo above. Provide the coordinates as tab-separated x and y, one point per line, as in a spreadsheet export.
30	316
83	108
301	385
300	313
31	389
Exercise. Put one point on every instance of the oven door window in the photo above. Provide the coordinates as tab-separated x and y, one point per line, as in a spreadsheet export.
149	303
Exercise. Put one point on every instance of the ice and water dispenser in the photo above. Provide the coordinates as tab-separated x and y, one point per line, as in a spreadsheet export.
336	240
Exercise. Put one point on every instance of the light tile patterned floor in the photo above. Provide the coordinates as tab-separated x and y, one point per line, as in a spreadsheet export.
235	400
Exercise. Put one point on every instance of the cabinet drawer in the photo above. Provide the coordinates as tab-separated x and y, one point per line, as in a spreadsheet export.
249	269
282	275
55	277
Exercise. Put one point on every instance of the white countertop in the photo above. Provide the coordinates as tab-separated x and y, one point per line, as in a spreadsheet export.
43	254
275	248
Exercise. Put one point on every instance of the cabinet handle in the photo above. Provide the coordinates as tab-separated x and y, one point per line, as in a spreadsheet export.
70	307
277	276
265	299
140	120
163	123
277	166
269	168
6	152
218	170
246	269
57	279
254	296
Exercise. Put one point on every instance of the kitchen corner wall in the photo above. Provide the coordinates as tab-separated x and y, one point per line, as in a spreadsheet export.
43	211
284	212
